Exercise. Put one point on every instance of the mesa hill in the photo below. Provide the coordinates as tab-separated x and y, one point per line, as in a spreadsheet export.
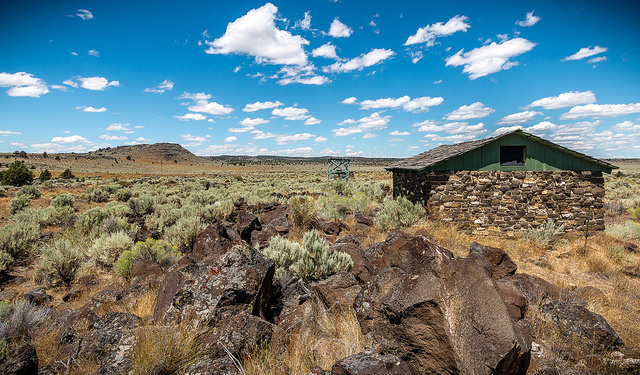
154	153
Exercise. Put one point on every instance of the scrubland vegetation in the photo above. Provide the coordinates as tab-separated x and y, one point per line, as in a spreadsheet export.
58	231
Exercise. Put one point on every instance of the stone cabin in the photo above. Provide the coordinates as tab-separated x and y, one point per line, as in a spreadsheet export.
510	182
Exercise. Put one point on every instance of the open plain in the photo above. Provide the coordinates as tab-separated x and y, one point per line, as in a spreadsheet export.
98	250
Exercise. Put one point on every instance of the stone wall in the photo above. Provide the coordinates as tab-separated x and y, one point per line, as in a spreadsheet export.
507	201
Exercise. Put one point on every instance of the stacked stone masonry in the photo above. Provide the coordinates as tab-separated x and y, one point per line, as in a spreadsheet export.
483	201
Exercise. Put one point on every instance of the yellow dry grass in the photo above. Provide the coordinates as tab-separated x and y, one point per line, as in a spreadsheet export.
325	336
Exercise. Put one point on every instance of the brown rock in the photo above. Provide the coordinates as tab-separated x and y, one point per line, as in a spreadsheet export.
238	333
20	361
438	313
501	263
215	287
340	289
588	331
38	297
211	240
246	223
364	363
513	299
208	366
356	254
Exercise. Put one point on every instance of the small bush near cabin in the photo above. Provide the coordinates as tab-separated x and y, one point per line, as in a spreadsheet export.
398	212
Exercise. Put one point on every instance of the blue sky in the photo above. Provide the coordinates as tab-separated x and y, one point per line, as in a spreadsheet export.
385	79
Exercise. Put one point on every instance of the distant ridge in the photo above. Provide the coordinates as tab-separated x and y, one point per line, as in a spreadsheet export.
157	152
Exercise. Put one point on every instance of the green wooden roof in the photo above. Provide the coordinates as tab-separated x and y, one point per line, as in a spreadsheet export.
451	157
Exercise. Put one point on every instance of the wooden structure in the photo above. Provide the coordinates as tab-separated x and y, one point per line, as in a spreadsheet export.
338	169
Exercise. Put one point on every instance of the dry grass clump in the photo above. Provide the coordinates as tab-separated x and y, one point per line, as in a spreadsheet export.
164	349
324	337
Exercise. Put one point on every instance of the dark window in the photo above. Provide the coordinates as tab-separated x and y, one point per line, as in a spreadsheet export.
512	155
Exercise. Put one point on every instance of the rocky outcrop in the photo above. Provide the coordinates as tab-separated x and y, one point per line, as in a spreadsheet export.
219	286
20	361
439	313
370	364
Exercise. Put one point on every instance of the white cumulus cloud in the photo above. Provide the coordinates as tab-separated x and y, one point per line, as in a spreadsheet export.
305	23
72	139
84	14
397	133
256	34
351	100
586	52
320	139
466	112
23	84
312	121
119	127
230	139
530	20
566	99
327	50
339	29
601	111
490	58
253	121
428	34
261	105
291	113
358	63
163	86
518	118
91	109
191	116
363	125
92	83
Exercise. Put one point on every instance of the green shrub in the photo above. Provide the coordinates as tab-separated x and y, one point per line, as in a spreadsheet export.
59	263
545	234
18	204
5	261
67	175
114	224
47	216
107	248
90	221
398	212
159	251
310	261
18	238
141	206
45	175
626	231
634	212
3	192
116	209
63	200
97	194
183	234
16	175
123	194
29	191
